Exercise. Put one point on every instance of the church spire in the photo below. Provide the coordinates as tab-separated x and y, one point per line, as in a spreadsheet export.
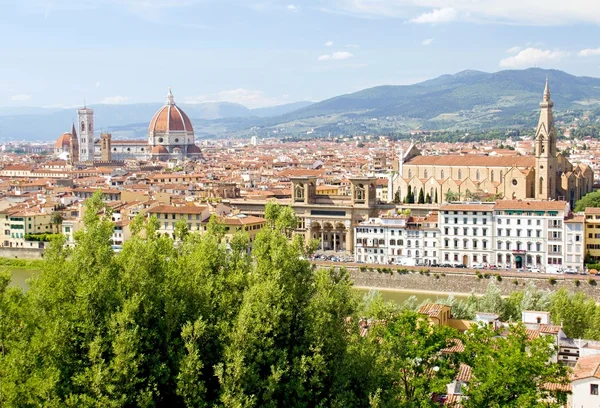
547	92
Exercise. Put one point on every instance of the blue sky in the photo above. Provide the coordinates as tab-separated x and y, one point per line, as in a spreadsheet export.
267	52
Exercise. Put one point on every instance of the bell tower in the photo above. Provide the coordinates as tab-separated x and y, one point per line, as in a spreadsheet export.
545	150
86	134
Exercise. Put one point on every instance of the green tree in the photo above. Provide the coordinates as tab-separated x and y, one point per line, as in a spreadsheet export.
409	198
589	200
397	198
421	199
408	350
436	196
510	371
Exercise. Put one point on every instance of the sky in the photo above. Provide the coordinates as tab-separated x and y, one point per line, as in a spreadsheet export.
260	53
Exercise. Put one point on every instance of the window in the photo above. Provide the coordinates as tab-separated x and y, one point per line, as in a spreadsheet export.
593	389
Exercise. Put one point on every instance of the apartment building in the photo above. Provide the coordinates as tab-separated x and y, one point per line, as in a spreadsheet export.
510	234
592	233
467	233
529	233
574	242
196	216
19	223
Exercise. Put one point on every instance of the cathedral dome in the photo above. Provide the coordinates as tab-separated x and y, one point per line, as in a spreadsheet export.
193	149
170	118
159	150
64	141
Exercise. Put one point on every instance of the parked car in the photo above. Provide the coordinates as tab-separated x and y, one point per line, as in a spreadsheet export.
571	271
460	266
533	269
477	266
492	267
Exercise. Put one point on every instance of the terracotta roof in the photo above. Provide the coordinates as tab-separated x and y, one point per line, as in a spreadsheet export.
63	141
432	309
171	209
529	205
464	373
467	207
588	366
170	118
472	160
592	210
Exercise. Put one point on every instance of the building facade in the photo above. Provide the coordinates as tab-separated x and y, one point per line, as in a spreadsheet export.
545	175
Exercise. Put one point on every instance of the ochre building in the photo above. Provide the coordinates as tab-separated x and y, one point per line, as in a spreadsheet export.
546	175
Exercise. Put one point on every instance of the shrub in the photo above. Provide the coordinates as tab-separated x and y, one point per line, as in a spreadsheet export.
363	268
552	281
436	275
516	282
486	275
379	270
443	274
421	272
479	275
577	282
498	277
592	282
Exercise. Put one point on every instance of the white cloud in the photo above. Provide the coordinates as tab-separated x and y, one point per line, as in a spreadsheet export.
589	52
97	84
436	16
293	8
523	12
340	55
428	41
533	57
247	97
513	50
115	100
352	46
20	98
328	43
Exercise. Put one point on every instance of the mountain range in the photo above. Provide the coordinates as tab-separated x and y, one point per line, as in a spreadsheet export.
466	100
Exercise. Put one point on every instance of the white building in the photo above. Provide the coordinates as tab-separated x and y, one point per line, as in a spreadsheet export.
586	383
466	233
529	233
392	238
574	238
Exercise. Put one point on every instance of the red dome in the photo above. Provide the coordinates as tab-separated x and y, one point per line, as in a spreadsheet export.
64	141
193	149
159	150
170	118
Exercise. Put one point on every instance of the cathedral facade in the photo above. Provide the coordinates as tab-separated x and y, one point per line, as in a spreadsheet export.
545	175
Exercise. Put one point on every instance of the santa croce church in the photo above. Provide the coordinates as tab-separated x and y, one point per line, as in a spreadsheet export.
545	175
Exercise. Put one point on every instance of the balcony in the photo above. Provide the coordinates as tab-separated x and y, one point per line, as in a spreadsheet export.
518	251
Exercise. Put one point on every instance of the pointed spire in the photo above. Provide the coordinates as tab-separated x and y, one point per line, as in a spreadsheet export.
73	131
547	91
170	98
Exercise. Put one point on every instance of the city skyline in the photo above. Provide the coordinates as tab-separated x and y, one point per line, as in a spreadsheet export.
265	53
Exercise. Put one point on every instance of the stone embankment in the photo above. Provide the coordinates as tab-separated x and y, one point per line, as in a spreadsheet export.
449	280
21	253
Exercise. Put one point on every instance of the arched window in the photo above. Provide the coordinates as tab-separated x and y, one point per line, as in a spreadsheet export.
465	244
541	190
408	243
477	175
459	174
425	173
90	127
408	253
492	176
442	175
82	126
409	173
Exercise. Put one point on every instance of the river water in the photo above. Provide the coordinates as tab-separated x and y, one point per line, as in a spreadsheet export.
20	276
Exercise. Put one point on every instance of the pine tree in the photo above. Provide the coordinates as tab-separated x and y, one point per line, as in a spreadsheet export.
428	199
421	196
408	195
436	196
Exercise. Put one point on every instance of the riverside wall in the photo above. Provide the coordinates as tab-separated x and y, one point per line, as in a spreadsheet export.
21	253
470	282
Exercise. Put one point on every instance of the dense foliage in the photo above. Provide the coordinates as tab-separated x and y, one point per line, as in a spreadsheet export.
198	322
589	200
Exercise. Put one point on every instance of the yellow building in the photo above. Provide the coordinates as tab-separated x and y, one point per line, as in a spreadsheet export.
18	223
327	190
546	175
592	233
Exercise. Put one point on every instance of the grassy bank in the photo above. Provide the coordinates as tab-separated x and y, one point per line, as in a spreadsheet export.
22	263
